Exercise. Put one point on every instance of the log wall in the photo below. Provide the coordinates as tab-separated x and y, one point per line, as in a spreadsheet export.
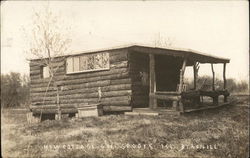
82	88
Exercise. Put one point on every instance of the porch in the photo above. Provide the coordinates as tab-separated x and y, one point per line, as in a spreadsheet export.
187	100
169	86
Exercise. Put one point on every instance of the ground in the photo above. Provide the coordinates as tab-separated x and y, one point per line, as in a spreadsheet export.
215	133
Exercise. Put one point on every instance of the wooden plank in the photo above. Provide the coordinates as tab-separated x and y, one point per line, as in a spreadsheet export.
168	92
91	110
152	82
165	97
142	113
208	107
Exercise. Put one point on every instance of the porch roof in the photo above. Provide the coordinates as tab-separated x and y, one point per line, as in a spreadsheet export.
191	55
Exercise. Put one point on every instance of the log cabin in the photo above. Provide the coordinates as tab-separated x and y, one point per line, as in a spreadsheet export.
120	79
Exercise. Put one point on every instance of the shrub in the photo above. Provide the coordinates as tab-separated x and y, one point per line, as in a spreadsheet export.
205	83
14	89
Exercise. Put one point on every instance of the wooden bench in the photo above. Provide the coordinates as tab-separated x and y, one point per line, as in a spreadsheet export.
215	95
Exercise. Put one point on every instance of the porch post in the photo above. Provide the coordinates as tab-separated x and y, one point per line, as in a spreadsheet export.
195	75
213	76
224	76
225	81
182	71
152	84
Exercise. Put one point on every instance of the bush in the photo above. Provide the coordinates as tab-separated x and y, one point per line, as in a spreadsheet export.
205	83
14	89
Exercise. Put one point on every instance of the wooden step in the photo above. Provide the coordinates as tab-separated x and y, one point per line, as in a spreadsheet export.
207	107
152	112
142	113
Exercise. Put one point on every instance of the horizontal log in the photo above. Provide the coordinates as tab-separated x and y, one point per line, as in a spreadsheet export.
81	76
51	106
95	74
117	93
109	88
88	85
42	90
109	100
118	57
39	62
87	100
54	111
166	97
63	106
85	85
81	81
38	70
38	75
121	64
118	52
120	81
77	90
114	103
98	78
68	106
41	102
116	87
37	80
41	94
84	95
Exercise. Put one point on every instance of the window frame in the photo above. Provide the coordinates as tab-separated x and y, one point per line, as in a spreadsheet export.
42	68
85	71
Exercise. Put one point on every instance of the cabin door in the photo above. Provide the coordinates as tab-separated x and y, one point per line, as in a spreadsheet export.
167	69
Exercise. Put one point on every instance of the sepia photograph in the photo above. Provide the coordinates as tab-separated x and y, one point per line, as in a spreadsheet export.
125	79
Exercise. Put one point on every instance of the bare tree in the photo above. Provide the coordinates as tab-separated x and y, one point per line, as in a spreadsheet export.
48	40
160	41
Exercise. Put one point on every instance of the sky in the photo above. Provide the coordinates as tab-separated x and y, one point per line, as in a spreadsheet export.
214	27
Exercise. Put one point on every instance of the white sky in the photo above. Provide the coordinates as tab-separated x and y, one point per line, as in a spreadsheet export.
216	27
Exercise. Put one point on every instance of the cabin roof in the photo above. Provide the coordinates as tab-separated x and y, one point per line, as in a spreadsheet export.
192	55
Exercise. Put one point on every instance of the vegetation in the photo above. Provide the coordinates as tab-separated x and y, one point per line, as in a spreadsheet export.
14	90
223	133
205	83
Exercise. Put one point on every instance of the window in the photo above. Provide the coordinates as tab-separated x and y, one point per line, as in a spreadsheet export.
45	72
88	62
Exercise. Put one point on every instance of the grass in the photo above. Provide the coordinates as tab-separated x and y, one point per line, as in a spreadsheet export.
218	133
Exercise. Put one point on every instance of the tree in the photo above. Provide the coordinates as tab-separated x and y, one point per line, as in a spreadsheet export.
48	41
160	41
14	90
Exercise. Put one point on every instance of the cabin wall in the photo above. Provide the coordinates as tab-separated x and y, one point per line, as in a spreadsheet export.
82	88
139	73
